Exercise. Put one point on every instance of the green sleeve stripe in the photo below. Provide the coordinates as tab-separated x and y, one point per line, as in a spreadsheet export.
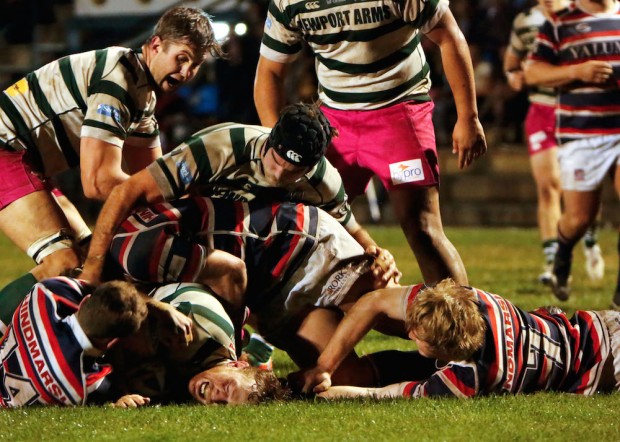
116	91
346	218
61	134
209	314
237	138
378	96
99	125
203	311
171	181
427	14
100	59
319	173
363	35
69	77
282	17
376	66
130	68
281	47
21	129
201	158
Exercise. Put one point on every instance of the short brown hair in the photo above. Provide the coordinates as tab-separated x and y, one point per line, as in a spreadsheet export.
268	386
447	317
114	310
191	26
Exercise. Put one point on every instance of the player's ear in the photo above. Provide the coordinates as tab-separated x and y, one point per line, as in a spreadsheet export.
238	364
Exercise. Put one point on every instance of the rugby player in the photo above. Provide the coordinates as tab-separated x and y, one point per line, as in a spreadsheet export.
49	352
240	162
489	345
150	367
94	110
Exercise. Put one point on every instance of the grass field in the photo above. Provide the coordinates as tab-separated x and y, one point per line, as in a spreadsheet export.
504	261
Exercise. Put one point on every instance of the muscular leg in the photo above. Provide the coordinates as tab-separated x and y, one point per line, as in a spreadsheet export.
418	212
546	172
304	340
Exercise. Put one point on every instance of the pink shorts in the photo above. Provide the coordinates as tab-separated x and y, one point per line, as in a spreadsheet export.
397	143
17	178
540	128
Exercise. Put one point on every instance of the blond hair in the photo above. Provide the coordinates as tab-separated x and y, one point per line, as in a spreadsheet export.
447	317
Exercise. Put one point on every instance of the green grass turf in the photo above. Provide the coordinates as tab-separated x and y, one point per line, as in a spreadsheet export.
504	261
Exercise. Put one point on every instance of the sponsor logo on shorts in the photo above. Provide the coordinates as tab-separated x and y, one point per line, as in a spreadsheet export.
184	174
406	171
268	23
580	175
293	156
335	284
536	139
109	111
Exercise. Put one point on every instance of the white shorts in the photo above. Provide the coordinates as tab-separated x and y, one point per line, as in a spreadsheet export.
585	163
322	280
612	321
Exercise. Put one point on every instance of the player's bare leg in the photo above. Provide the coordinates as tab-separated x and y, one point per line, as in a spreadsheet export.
580	210
546	172
304	341
417	211
35	216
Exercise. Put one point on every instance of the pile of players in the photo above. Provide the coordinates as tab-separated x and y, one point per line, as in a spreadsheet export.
251	224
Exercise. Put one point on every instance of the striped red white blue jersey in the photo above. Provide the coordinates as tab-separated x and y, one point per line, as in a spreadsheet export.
574	36
167	242
42	353
524	352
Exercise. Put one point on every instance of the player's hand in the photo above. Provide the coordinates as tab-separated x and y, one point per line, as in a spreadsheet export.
593	71
176	327
314	380
384	267
468	141
131	401
344	392
516	80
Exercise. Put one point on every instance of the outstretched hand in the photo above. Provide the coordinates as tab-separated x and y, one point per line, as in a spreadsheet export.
315	380
176	327
384	267
131	401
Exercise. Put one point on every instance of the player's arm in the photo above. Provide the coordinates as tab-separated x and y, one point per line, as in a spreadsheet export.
468	138
361	318
384	268
348	392
269	90
513	70
123	198
542	73
100	167
137	158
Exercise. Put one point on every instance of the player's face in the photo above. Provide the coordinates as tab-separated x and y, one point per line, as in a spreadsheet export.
280	172
172	64
223	384
425	349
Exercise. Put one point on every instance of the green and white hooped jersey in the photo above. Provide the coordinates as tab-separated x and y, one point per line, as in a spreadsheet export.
225	161
103	94
214	341
522	38
368	54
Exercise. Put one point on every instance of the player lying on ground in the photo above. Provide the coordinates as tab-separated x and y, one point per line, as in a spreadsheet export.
151	367
490	345
297	257
49	352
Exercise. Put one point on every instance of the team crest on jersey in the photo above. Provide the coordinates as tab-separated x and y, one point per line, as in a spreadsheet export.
580	175
406	171
146	215
109	111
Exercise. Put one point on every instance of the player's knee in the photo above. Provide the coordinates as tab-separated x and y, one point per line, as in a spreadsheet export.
237	278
